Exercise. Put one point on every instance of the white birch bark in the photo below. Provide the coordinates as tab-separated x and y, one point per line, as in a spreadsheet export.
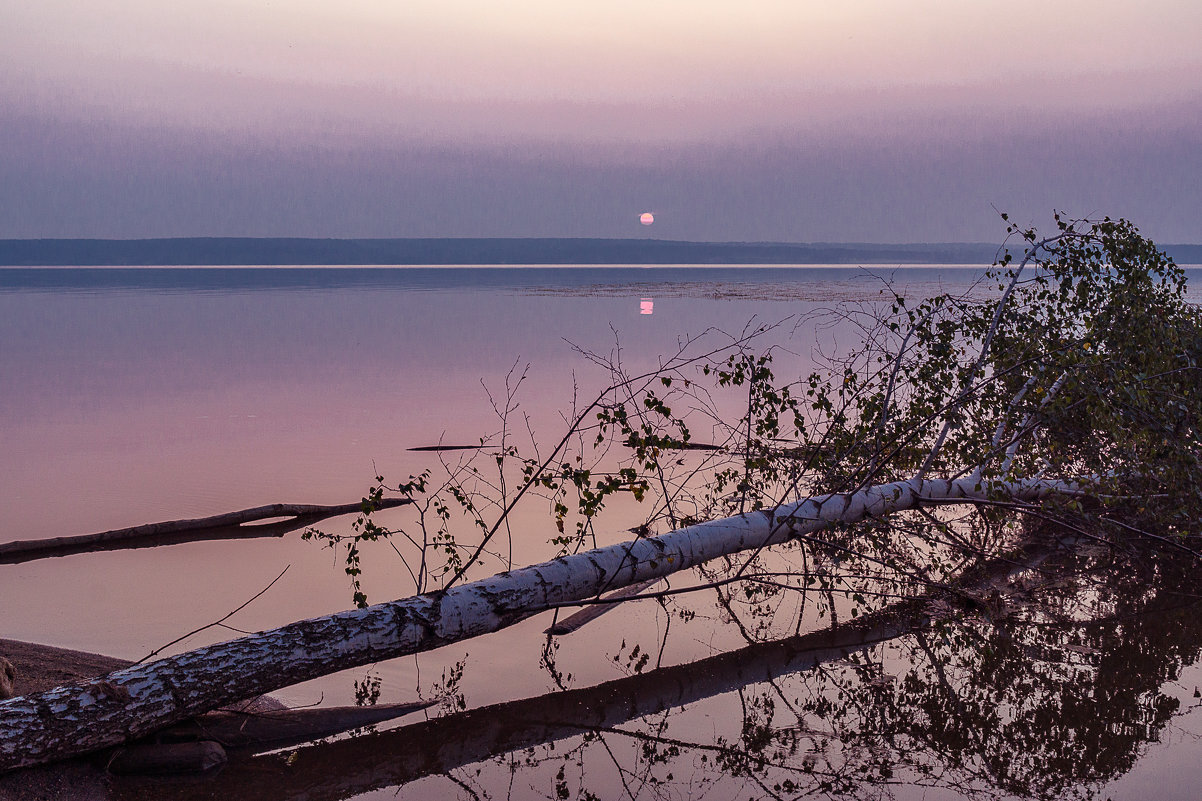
135	701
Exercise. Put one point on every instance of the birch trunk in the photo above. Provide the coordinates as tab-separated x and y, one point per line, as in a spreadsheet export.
138	700
352	767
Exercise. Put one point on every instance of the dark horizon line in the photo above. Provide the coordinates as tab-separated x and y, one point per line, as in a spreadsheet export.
316	251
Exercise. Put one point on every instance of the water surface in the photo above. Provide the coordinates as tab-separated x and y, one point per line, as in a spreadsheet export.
136	395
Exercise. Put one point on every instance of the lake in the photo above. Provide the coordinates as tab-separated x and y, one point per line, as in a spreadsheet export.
139	395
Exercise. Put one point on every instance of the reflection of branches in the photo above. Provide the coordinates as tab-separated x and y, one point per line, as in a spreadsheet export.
1021	707
347	767
344	768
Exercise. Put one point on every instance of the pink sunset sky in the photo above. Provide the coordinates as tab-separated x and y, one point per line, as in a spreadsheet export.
795	121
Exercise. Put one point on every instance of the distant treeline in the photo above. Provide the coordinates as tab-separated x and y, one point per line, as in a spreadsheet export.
296	251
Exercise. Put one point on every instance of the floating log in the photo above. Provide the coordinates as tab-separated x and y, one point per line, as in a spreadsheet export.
231	525
437	448
679	445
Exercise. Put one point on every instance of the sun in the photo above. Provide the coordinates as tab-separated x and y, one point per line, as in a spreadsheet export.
646	218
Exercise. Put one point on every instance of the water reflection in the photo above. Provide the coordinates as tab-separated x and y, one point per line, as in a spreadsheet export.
1055	694
212	397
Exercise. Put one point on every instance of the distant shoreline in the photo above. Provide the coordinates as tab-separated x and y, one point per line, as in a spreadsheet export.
444	252
201	252
404	252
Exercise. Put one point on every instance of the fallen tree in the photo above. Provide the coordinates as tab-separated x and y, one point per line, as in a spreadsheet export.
1072	393
352	767
131	703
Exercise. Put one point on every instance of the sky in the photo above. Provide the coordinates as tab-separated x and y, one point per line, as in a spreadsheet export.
790	120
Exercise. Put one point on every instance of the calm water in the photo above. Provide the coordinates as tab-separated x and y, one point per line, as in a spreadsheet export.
131	396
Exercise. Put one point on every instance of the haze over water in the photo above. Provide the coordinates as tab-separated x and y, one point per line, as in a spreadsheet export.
866	121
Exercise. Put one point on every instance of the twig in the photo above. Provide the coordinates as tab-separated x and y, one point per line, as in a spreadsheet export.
254	598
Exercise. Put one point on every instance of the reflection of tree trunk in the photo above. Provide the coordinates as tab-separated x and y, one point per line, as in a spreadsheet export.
349	767
201	744
136	701
231	525
277	728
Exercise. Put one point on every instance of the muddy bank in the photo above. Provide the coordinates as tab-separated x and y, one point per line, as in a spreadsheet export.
43	667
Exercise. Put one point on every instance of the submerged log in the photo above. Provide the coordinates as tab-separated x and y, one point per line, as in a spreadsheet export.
231	525
157	759
138	700
204	743
261	731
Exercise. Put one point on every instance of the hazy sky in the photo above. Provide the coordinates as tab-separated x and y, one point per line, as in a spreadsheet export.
864	120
